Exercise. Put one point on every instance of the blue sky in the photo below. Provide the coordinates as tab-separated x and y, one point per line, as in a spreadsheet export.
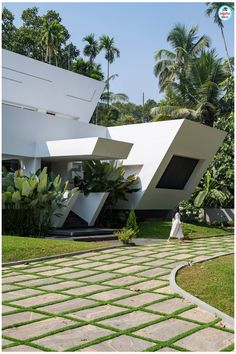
139	29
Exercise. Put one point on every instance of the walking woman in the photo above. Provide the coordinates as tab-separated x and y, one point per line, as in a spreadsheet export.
176	229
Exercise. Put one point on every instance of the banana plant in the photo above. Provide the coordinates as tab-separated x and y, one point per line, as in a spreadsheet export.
208	192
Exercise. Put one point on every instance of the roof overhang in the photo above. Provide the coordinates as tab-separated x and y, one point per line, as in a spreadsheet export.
45	88
83	149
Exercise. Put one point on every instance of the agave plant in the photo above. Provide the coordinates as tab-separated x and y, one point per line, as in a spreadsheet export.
30	202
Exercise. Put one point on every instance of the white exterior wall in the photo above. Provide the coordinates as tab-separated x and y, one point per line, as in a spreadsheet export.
23	129
154	144
45	87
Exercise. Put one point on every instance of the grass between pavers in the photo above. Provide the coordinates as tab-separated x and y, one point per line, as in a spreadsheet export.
161	229
211	281
124	309
16	248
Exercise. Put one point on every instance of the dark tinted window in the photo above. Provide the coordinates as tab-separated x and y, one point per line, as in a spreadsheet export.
177	173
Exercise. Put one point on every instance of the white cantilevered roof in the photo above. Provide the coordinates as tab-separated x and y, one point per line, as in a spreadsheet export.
40	86
85	148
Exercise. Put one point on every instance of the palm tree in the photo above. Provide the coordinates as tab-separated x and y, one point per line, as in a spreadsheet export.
52	37
197	98
91	49
213	8
172	65
107	44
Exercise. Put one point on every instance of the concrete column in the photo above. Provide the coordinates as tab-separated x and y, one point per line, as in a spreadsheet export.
30	165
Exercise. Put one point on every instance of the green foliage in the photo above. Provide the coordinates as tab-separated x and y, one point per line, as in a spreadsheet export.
132	222
107	177
190	212
90	69
30	202
172	66
125	235
208	194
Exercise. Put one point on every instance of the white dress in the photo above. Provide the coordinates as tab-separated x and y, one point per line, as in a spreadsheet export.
176	229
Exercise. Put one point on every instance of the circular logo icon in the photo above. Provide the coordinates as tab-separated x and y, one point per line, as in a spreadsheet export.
225	12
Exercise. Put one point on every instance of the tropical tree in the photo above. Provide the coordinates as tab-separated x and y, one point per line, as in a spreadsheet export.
93	70
213	8
91	49
111	52
197	96
172	65
8	29
52	37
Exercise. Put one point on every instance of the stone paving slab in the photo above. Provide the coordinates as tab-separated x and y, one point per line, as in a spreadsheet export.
40	300
122	343
169	306
139	300
61	285
199	315
165	330
66	306
95	313
130	320
37	328
22	348
207	340
20	317
73	337
113	300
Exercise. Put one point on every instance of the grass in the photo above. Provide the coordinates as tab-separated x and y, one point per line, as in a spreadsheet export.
211	281
23	248
161	229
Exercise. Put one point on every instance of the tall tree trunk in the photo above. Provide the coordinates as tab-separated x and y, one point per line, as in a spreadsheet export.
226	49
108	83
47	54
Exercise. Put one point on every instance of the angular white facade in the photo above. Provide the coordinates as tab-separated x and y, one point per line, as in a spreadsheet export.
46	113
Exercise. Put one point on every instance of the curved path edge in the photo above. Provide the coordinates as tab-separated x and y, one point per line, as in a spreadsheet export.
203	305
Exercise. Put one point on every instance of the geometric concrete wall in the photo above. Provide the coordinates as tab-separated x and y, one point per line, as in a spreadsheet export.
154	145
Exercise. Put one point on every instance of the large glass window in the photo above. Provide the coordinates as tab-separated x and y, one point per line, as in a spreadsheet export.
177	173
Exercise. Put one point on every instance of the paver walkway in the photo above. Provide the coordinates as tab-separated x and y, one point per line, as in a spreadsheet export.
113	300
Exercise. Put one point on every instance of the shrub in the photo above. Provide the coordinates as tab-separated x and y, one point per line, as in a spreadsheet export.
190	212
30	202
132	222
125	235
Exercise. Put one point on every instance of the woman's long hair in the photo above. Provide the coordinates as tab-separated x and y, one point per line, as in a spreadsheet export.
174	211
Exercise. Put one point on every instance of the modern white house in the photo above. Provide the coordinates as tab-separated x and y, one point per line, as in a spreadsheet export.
45	121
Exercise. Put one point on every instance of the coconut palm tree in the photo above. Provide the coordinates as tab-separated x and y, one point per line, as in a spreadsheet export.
52	37
107	44
91	49
197	97
213	8
172	65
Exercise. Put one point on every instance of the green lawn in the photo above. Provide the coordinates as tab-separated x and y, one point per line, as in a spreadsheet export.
22	248
161	229
211	281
